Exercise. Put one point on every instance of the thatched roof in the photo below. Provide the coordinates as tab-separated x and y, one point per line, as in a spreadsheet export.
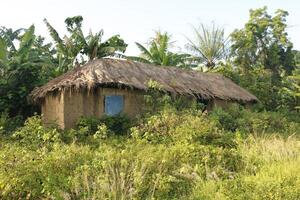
135	75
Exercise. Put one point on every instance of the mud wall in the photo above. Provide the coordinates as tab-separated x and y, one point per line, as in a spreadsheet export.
53	110
91	103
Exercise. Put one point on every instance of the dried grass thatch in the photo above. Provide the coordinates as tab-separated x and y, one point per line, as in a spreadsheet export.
135	75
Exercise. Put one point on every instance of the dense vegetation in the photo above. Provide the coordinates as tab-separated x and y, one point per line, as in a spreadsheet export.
173	151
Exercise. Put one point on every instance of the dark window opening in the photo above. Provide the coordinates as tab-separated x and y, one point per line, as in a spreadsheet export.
113	104
203	104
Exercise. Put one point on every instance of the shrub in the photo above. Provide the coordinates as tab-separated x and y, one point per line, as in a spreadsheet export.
119	124
30	174
226	119
34	135
88	123
171	126
235	118
8	125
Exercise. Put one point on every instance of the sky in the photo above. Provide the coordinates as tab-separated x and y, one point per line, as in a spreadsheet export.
137	20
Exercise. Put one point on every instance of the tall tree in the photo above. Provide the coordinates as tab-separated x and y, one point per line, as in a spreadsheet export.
158	52
209	45
263	42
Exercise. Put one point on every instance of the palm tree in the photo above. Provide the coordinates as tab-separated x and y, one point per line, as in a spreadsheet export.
158	52
209	45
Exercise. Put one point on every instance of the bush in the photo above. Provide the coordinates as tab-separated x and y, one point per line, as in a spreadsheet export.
235	118
118	125
30	174
9	125
88	123
34	135
170	126
227	119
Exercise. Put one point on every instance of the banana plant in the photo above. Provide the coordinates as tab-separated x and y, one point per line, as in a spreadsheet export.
75	48
9	36
22	69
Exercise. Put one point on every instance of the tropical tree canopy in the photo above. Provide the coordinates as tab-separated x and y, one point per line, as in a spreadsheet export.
22	67
263	42
209	45
158	52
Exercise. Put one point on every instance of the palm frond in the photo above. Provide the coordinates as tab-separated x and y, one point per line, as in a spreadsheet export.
209	44
144	51
138	59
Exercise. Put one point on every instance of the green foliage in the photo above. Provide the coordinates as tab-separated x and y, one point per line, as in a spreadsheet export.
90	123
72	49
209	45
258	81
118	124
271	172
22	69
235	118
263	42
291	91
172	154
35	135
159	52
8	125
170	126
265	59
36	174
174	151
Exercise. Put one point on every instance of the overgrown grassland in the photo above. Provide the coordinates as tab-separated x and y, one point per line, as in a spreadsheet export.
170	154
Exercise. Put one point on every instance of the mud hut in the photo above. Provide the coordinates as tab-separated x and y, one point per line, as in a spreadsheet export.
111	86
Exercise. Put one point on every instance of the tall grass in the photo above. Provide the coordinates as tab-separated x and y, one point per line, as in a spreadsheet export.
272	171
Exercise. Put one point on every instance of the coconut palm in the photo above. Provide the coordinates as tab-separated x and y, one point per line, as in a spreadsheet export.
158	52
209	45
